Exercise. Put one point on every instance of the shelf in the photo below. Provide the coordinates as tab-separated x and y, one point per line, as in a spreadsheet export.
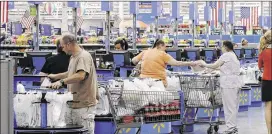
14	46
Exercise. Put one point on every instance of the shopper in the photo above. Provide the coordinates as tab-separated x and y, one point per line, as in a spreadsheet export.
265	64
154	61
230	84
81	79
52	64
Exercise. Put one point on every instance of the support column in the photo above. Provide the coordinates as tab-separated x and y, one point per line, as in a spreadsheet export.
64	20
121	15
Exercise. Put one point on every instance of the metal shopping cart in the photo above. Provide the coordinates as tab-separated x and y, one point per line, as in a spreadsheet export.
133	108
201	92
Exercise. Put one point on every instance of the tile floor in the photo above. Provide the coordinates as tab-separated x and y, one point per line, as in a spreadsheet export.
249	122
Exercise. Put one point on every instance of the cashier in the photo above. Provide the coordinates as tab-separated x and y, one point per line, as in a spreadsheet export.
56	64
244	43
121	45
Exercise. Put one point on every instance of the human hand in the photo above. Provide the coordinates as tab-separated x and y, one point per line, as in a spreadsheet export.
56	85
193	64
52	76
201	63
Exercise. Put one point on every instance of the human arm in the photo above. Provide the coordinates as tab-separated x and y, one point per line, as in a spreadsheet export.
58	76
215	65
260	61
83	68
174	62
137	58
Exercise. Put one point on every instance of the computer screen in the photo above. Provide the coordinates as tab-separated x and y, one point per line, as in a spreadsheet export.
257	52
248	53
192	55
209	54
173	54
238	52
39	59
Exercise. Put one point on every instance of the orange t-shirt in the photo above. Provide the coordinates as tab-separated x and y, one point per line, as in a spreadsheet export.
265	62
154	64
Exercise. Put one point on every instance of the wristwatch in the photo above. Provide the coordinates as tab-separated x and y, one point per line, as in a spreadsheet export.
62	82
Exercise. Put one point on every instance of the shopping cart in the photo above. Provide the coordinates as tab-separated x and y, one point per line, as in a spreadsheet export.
201	92
132	109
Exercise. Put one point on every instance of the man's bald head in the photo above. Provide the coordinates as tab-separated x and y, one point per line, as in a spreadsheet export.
69	39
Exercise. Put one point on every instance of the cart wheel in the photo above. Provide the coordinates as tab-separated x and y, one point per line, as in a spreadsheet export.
216	128
210	130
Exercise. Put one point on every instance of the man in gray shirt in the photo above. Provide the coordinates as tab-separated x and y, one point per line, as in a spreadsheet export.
81	79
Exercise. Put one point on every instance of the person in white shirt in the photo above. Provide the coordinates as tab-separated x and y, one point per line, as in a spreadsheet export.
230	84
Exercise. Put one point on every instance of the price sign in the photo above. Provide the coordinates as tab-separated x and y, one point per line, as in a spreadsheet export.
216	32
145	7
257	31
239	30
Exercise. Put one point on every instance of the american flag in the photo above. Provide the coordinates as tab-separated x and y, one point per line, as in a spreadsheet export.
215	10
4	11
79	22
249	16
27	20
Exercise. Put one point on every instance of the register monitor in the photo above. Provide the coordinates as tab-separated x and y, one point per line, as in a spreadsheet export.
249	53
239	52
121	58
175	53
192	54
210	54
38	59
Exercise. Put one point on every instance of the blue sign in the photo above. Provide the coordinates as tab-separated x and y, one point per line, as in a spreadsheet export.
220	15
106	6
261	22
74	4
145	7
156	8
17	29
192	11
133	7
11	5
175	9
35	2
207	13
45	29
267	21
231	17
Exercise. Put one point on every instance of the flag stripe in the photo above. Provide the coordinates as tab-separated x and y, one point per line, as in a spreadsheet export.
4	11
79	22
27	20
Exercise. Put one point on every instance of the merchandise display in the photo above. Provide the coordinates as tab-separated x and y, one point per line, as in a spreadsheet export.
191	31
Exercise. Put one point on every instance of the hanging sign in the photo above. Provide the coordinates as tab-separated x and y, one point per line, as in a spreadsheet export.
257	31
145	7
239	30
33	11
74	4
45	29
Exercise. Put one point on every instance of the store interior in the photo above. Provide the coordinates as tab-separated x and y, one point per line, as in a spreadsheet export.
192	31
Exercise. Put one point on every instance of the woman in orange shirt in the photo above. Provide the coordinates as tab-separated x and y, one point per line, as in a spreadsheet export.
265	63
154	62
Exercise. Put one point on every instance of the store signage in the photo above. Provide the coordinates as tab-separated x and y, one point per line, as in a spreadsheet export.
257	31
45	29
11	5
33	11
239	30
145	7
73	4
